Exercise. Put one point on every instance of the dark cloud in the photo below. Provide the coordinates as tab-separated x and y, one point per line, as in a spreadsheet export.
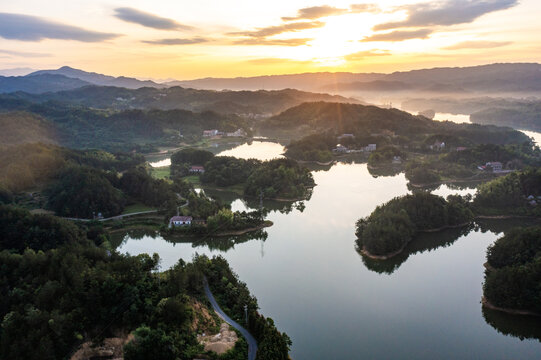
278	42
448	12
32	28
478	44
275	30
23	53
149	20
197	40
399	35
365	54
316	12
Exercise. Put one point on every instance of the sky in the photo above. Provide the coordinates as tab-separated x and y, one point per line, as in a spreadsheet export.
179	39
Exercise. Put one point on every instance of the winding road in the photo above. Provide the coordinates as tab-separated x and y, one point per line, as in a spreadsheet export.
252	343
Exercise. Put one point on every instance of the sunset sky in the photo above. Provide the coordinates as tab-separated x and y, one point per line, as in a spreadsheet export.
164	39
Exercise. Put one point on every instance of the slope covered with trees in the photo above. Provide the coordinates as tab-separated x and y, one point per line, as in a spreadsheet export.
513	277
392	225
63	286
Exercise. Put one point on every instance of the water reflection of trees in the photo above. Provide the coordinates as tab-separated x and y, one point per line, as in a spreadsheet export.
252	203
450	185
221	243
431	241
422	243
520	326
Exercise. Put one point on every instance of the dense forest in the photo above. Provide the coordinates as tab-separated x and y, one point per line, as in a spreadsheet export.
355	126
259	102
521	116
80	127
392	225
517	193
278	178
513	274
62	285
28	166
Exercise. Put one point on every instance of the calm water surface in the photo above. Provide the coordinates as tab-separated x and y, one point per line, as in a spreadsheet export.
334	304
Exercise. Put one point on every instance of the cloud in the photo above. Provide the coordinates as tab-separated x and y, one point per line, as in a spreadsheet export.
316	12
149	20
196	40
364	54
478	44
448	12
275	30
399	35
23	53
278	42
365	8
33	28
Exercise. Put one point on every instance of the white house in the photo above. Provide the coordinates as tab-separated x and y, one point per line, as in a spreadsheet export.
210	133
370	147
180	221
238	133
195	169
495	165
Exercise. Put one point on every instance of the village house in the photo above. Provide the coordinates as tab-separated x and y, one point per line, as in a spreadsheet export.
210	133
438	146
370	147
238	133
196	169
495	165
340	149
180	221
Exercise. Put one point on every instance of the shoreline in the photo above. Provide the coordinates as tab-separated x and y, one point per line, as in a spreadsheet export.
266	223
399	251
491	306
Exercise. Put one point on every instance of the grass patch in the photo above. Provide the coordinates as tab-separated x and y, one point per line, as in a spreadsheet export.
134	208
160	172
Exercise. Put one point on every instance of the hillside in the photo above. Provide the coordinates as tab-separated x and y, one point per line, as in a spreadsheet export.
525	116
361	119
21	127
233	102
81	127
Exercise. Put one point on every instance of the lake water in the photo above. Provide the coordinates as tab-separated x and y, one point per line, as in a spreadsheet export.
261	150
334	304
458	118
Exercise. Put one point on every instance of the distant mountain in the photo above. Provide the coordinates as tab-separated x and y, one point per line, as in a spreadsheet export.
99	79
306	81
377	85
513	77
226	102
40	83
16	72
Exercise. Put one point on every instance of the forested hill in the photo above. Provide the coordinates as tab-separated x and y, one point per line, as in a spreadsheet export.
23	127
229	102
362	120
81	127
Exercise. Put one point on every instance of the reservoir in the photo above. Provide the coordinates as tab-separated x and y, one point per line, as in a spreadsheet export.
334	304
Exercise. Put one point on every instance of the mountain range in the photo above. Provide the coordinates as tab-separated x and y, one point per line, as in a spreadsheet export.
493	78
